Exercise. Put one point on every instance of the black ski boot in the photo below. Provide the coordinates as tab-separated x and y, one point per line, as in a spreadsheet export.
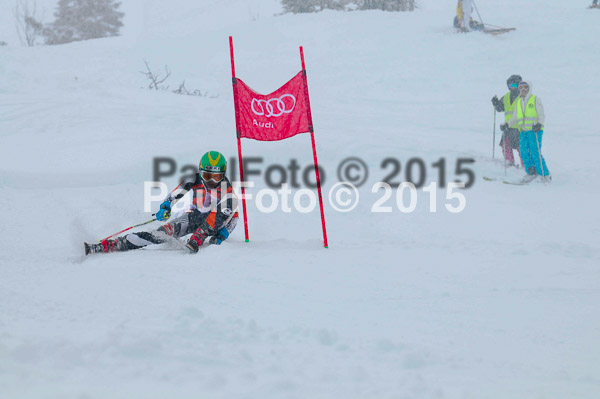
92	248
105	246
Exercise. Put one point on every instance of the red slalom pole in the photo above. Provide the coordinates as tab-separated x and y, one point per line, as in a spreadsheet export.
314	148
235	101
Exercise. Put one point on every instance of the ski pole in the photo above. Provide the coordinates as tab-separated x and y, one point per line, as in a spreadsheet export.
540	156
496	26
129	228
479	15
504	151
494	138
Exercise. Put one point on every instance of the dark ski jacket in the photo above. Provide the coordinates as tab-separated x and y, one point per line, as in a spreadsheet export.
221	203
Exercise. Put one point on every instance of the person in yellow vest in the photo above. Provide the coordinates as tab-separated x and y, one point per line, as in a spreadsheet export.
510	136
529	118
462	20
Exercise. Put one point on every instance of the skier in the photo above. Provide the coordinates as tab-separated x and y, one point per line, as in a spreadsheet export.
463	20
213	212
595	4
529	117
510	136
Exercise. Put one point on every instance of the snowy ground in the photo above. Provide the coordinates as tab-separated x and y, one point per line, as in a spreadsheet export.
499	301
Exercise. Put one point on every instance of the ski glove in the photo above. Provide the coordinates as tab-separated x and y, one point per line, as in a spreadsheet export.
504	127
537	127
495	101
221	236
165	211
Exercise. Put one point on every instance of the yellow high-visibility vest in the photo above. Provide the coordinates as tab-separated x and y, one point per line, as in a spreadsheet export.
459	11
525	121
509	108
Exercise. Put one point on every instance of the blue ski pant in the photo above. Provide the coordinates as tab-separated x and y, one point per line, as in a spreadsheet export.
531	147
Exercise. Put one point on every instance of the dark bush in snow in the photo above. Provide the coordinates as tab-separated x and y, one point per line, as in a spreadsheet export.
304	6
83	20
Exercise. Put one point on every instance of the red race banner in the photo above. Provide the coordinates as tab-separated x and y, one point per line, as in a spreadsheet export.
274	116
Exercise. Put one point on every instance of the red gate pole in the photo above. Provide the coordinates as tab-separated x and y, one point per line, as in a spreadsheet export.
314	148
237	128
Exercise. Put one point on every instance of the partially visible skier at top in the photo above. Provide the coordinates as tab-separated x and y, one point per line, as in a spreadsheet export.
464	9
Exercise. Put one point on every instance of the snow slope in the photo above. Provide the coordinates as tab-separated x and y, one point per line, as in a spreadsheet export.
498	301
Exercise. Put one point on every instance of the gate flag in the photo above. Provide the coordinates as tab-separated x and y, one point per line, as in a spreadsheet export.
275	116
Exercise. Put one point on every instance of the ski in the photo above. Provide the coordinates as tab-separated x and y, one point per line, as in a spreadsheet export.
515	183
520	182
527	180
179	245
497	31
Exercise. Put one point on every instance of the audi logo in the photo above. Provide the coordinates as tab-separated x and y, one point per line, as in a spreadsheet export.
274	106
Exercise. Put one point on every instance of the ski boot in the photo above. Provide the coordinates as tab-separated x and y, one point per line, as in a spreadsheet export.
196	240
106	246
547	179
530	176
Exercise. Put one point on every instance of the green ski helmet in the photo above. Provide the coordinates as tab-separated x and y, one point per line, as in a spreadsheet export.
213	166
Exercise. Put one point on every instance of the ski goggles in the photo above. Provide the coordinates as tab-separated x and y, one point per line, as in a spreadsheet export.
513	85
214	176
